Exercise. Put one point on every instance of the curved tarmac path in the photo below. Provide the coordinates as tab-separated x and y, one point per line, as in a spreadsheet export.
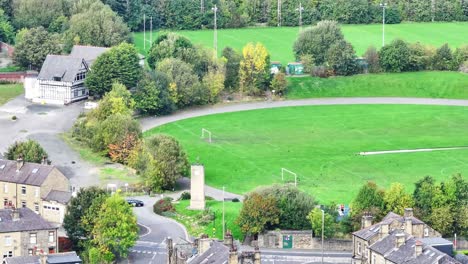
150	122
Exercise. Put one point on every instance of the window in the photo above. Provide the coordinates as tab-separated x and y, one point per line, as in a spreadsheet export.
51	236
426	231
36	208
7	254
5	188
7	240
373	259
359	248
5	202
36	192
32	238
365	250
23	204
23	190
30	252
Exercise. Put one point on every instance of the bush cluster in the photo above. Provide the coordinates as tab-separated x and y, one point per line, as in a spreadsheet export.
163	205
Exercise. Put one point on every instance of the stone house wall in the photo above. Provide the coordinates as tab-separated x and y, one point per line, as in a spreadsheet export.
42	242
302	240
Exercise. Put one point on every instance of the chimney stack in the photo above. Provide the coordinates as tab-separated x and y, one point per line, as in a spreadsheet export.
400	239
366	221
418	248
408	212
15	215
43	257
233	258
19	163
204	243
44	160
257	256
228	240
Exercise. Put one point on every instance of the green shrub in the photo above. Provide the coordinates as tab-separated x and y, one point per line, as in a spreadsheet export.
14	117
163	205
235	200
185	196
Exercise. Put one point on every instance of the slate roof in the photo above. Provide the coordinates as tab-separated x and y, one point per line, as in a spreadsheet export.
88	53
217	254
27	221
435	241
30	173
65	67
58	196
58	258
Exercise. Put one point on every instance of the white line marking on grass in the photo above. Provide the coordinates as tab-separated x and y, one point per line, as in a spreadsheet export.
407	151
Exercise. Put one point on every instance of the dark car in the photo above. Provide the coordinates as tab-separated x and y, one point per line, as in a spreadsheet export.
134	202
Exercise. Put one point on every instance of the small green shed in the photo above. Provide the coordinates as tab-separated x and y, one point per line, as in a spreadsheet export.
275	67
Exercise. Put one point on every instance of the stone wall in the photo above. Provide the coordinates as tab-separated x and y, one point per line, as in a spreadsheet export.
302	240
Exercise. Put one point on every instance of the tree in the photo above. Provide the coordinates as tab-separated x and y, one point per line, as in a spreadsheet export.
120	151
233	59
114	130
372	57
396	199
315	218
76	210
7	32
442	220
170	45
30	150
37	13
279	84
394	57
183	83
459	57
293	204
115	230
258	213
130	11
442	60
213	81
254	70
423	196
169	162
117	101
342	58
369	198
119	64
317	40
59	25
33	46
98	26
420	57
152	94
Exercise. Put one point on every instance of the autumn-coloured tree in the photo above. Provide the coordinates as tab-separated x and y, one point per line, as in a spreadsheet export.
254	71
258	213
396	199
120	151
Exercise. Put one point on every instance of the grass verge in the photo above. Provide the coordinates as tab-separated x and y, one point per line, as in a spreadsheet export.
86	153
410	84
191	218
9	91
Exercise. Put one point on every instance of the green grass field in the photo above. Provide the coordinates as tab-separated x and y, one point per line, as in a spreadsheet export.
279	41
410	84
321	144
9	91
190	218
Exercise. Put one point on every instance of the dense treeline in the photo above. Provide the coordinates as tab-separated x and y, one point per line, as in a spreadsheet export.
57	15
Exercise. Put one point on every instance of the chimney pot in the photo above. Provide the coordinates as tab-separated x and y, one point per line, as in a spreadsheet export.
19	163
418	248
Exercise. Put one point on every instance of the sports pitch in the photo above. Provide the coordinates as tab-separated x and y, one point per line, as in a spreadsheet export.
279	41
322	144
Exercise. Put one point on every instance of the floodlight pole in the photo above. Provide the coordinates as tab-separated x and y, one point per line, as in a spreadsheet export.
323	225
144	32
223	212
151	30
300	9
279	13
215	41
383	5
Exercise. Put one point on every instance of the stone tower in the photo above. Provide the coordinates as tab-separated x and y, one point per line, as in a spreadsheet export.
197	187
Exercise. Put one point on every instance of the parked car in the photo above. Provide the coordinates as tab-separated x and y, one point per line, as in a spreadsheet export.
135	203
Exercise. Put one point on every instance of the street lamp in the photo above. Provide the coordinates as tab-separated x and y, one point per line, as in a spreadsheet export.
300	9
215	44
223	211
323	225
383	6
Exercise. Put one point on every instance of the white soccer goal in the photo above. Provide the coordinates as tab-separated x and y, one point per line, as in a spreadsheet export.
283	170
204	133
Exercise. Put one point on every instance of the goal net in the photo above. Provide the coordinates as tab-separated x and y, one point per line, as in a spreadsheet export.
286	172
206	134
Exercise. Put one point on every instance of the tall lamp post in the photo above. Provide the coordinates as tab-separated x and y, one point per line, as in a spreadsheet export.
323	227
383	6
223	211
300	9
215	44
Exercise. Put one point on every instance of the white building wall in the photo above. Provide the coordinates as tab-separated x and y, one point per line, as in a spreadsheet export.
31	87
